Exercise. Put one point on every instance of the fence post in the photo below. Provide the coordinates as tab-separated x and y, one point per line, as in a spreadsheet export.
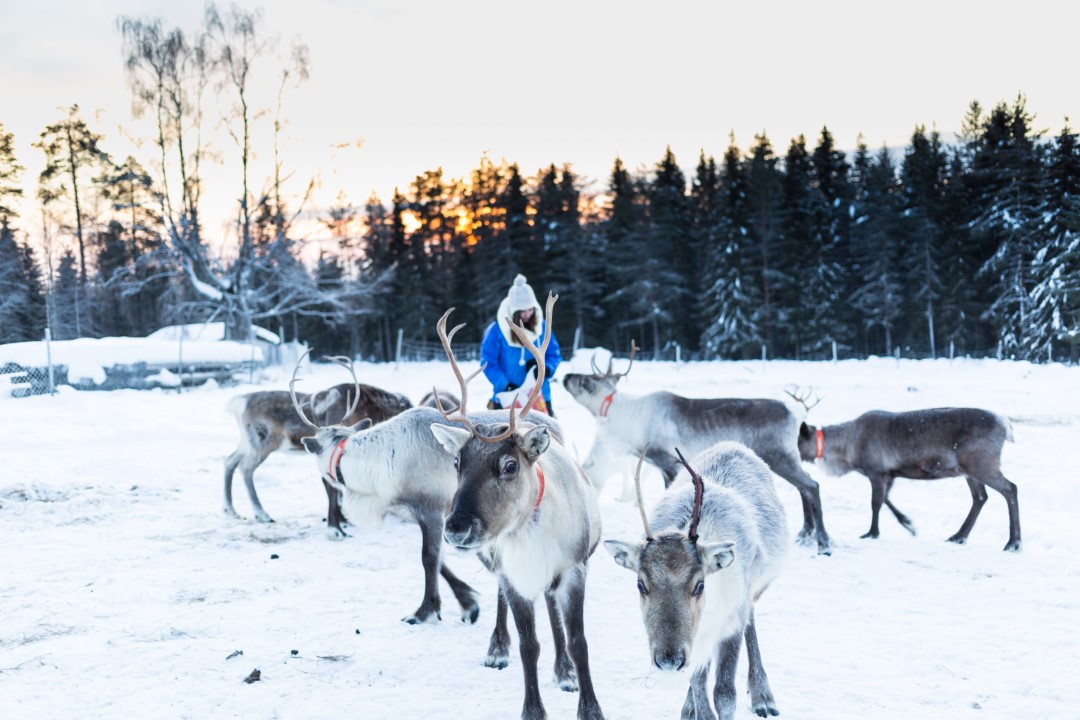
834	351
180	362
577	338
678	353
764	355
896	351
48	359
397	352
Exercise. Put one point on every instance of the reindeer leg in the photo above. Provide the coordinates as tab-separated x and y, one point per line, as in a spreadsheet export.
230	467
499	648
789	468
247	469
333	513
761	697
574	615
727	662
901	518
431	532
464	593
1008	490
565	674
696	706
665	462
525	620
978	499
877	496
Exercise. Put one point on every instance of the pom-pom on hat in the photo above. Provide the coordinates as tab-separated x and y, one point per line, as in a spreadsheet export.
521	295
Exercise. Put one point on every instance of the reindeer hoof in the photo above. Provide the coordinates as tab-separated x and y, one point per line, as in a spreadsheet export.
958	539
470	614
497	661
418	618
263	517
910	528
336	534
805	537
871	535
1013	547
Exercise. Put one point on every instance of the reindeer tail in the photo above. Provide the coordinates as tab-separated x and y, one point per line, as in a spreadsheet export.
237	405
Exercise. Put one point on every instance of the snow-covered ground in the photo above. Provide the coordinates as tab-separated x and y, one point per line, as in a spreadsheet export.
125	592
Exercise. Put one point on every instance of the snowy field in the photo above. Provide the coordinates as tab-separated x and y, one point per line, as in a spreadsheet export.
125	592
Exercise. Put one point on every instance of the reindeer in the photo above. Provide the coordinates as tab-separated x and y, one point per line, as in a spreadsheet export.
921	445
525	503
721	542
269	420
627	424
398	465
440	398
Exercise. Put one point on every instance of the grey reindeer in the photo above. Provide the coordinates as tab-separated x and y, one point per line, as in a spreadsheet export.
920	445
526	504
627	424
269	421
398	465
720	541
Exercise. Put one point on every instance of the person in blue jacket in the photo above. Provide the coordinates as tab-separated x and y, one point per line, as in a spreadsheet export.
507	364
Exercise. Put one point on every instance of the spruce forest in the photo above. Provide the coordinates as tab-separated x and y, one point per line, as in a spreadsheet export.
970	246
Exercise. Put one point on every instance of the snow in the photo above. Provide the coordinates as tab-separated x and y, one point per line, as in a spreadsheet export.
125	589
208	331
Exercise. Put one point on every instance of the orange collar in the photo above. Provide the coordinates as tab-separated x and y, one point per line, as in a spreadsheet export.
540	477
819	444
332	470
605	404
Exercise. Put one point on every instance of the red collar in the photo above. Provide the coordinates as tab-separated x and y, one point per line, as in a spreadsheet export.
819	444
605	404
335	460
540	477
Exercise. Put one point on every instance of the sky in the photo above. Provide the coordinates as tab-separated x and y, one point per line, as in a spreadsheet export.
399	87
128	593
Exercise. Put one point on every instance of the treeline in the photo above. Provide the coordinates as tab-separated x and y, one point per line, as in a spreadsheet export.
970	247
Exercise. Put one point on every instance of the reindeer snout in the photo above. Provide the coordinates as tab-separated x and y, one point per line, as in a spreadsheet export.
464	534
668	660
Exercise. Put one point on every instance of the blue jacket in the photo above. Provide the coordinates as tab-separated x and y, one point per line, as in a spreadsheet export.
505	363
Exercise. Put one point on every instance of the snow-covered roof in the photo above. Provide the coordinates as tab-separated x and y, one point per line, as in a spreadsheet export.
208	331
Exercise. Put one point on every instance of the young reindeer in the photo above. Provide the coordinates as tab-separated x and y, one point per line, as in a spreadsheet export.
921	445
525	503
627	424
721	542
269	421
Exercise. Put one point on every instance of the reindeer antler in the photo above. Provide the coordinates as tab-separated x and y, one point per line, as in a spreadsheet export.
608	374
292	392
637	485
699	495
347	363
801	399
537	353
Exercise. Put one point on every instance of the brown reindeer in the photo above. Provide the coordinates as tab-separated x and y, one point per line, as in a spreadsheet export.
269	421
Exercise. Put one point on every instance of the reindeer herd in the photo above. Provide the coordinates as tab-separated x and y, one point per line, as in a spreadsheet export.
503	484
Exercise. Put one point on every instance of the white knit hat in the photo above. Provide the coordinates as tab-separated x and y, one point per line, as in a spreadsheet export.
521	296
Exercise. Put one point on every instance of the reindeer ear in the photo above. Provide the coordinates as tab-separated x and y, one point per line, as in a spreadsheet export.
534	442
451	438
717	556
311	445
626	554
362	425
804	431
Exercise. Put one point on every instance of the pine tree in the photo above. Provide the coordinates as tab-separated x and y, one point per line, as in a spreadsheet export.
1055	295
10	169
923	235
73	156
796	303
875	244
628	299
764	189
733	326
1009	168
671	245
